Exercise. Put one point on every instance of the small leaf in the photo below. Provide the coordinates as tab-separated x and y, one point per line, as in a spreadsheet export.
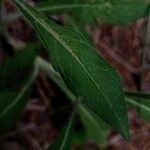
142	105
15	77
120	12
82	68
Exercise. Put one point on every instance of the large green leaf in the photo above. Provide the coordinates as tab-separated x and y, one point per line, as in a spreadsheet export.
117	12
15	79
93	128
142	105
82	68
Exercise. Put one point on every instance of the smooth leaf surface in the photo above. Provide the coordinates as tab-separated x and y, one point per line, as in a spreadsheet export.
142	105
15	79
118	12
82	68
93	128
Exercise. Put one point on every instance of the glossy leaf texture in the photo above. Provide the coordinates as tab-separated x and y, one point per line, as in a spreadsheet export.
141	105
15	79
82	68
116	12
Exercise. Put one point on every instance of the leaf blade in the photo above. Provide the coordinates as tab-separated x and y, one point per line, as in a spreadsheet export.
14	88
88	120
142	105
67	44
90	12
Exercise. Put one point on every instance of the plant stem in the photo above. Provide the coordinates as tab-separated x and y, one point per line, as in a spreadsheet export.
56	78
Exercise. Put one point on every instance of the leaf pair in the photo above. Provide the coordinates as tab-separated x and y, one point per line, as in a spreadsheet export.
82	68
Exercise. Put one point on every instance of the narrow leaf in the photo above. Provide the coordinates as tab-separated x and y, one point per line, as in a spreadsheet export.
142	105
15	77
82	68
111	11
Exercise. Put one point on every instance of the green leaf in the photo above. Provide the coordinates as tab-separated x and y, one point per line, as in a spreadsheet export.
65	139
142	105
112	11
82	68
15	77
17	69
94	128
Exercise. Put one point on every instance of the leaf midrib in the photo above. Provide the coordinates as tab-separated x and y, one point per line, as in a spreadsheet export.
53	33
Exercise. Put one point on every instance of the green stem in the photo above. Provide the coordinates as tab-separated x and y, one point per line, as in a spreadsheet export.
56	78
